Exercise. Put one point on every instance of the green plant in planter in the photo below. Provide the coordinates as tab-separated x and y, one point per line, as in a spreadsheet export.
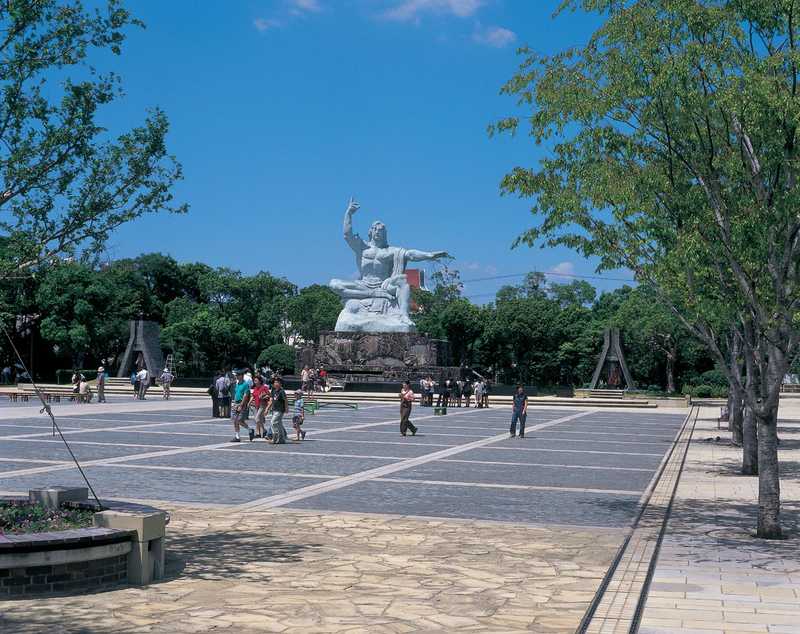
35	518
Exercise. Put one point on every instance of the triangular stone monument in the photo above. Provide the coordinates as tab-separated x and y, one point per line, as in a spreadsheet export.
613	361
143	350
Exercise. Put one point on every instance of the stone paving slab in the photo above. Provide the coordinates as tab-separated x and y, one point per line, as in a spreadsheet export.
293	571
526	454
531	475
712	575
120	482
53	449
481	503
268	458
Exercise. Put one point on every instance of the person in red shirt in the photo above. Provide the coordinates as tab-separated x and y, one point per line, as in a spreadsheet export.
406	401
260	395
323	378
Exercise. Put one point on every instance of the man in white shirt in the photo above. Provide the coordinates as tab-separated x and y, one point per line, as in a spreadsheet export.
144	382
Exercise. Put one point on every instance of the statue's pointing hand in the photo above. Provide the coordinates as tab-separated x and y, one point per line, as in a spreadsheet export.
352	206
439	255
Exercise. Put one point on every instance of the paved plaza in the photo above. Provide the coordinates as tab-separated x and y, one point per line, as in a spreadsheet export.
582	468
357	529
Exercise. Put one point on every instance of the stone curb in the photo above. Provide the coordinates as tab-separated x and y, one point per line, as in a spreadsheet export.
619	602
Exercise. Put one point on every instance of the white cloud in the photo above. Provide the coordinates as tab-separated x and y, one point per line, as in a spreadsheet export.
265	24
304	6
561	270
494	36
408	10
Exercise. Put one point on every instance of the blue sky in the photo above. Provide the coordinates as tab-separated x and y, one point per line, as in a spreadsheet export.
282	109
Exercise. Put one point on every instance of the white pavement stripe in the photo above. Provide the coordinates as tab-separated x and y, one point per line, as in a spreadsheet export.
606	453
378	472
317	476
300	454
97	429
614	433
33	461
58	441
605	442
359	441
157	454
545	464
521	487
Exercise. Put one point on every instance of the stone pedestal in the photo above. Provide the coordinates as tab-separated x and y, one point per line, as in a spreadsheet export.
387	355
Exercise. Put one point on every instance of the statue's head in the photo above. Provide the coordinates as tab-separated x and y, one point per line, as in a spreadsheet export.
377	234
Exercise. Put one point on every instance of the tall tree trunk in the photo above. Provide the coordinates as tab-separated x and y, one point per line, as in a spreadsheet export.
749	426
769	488
671	356
735	393
749	443
735	413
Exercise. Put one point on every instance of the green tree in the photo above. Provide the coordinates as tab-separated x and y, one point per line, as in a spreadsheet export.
279	357
85	311
675	154
314	309
65	183
644	317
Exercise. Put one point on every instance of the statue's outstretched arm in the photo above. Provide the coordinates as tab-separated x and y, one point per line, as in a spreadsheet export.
352	239
413	255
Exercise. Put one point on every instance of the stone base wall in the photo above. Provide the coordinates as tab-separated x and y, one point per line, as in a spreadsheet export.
77	576
392	354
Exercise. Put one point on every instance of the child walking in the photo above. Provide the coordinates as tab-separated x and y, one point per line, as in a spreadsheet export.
299	415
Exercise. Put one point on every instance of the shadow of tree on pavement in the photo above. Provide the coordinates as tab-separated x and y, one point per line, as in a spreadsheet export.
226	554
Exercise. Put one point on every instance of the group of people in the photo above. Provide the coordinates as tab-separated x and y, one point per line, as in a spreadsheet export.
454	392
312	380
519	406
141	380
82	389
249	395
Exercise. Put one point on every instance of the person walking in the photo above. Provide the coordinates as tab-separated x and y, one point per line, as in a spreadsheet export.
278	407
299	416
260	398
478	394
166	380
212	392
223	385
406	402
240	407
519	412
323	378
458	391
144	382
135	383
487	388
101	384
466	392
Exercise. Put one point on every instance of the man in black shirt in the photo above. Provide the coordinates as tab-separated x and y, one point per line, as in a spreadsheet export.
519	412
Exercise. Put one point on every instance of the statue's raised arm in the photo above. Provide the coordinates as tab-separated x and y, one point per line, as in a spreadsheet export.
352	239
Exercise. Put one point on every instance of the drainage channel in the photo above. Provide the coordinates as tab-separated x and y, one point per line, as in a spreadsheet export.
618	605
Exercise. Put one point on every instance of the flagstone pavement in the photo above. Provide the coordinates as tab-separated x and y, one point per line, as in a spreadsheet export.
299	571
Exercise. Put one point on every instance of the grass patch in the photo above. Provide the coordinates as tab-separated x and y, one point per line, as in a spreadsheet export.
17	519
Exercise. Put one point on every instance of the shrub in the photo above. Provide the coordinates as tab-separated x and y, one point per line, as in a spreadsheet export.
706	391
714	378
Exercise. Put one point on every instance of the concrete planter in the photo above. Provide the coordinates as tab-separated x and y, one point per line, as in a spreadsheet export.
126	545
